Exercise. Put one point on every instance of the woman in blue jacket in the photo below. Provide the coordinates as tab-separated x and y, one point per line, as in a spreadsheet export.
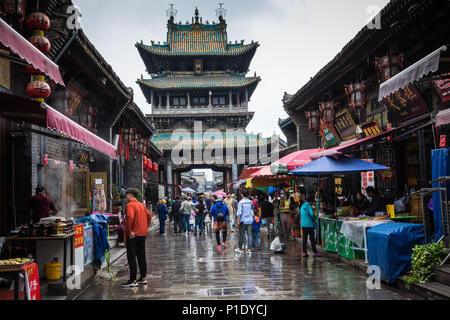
309	224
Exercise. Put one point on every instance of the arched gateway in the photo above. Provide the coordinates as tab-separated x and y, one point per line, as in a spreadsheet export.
199	93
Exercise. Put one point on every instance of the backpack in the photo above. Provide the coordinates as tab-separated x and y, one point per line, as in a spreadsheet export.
220	215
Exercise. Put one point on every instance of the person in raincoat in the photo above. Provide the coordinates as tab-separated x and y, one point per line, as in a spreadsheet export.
308	224
162	215
220	213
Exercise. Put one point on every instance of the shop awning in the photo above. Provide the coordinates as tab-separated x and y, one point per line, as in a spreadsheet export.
415	72
340	148
20	109
443	118
24	49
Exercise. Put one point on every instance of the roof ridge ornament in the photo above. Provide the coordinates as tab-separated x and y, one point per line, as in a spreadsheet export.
171	13
221	12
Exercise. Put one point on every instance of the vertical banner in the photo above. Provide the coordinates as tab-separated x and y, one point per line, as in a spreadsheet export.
32	287
169	174
235	172
79	235
78	243
367	179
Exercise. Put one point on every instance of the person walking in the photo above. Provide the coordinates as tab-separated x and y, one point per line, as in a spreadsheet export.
220	213
309	224
185	213
162	215
138	220
245	215
232	207
267	210
200	216
176	214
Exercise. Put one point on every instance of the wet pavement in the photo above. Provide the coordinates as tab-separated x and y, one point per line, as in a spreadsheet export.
191	267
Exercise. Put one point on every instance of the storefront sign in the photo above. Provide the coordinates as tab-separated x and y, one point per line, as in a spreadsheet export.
406	103
33	290
370	128
345	125
169	174
443	89
329	136
339	188
5	71
79	233
387	175
235	172
367	179
443	141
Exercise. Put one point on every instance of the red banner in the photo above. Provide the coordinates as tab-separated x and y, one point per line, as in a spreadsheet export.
33	290
79	233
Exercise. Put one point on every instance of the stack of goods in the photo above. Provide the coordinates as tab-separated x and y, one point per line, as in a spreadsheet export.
14	262
69	227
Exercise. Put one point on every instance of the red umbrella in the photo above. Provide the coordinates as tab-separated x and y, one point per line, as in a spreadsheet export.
298	159
220	193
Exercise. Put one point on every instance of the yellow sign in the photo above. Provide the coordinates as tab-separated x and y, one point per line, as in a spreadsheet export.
5	71
390	209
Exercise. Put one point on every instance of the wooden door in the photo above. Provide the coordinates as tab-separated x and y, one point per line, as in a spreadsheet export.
79	193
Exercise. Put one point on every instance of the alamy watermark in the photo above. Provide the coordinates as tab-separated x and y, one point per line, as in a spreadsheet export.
374	20
216	147
374	280
74	20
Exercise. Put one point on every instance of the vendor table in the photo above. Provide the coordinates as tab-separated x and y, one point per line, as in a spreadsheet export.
347	238
13	272
63	238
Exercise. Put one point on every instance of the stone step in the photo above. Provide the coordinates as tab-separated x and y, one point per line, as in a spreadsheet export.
430	291
442	274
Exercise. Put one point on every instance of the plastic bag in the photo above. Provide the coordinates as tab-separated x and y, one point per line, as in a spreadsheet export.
275	246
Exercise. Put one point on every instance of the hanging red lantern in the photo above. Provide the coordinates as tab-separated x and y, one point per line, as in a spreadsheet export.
313	120
45	160
357	100
38	90
155	167
388	66
150	165
327	110
40	42
38	21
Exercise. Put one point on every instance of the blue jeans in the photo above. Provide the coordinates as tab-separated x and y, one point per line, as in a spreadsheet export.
200	221
256	238
162	225
185	222
245	229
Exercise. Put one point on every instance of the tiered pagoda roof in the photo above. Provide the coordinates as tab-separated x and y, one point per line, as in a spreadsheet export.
188	80
197	39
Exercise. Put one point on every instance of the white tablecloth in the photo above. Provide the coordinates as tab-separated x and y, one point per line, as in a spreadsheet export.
354	230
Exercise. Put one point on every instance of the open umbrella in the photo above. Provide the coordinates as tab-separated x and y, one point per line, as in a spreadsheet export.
336	164
188	190
297	159
220	193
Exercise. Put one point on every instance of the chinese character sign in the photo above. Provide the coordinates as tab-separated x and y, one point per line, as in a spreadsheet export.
33	290
79	236
367	179
339	187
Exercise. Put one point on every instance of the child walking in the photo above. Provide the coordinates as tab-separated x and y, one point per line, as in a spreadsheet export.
256	232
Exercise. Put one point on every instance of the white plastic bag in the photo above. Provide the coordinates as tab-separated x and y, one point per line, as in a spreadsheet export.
275	246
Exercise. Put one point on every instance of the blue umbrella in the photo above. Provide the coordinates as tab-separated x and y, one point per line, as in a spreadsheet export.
336	165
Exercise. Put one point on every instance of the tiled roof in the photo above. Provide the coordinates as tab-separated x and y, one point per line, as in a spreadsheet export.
165	142
198	42
207	81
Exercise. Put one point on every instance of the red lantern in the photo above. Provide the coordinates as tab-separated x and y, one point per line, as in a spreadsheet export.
45	159
313	120
38	90
38	21
155	167
41	43
327	110
355	92
150	165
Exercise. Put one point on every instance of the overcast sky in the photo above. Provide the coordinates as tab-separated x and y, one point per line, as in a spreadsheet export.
297	38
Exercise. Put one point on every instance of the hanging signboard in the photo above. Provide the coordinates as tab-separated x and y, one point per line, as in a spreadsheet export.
235	172
32	287
169	174
5	71
370	128
406	103
443	89
330	137
345	125
367	179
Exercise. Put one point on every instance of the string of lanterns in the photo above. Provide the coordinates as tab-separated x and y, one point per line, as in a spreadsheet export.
132	142
38	89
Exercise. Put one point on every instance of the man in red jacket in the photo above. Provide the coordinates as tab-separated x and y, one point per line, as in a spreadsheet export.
137	222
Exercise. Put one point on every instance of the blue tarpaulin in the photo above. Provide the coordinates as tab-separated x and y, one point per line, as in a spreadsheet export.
100	227
440	168
337	164
390	247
